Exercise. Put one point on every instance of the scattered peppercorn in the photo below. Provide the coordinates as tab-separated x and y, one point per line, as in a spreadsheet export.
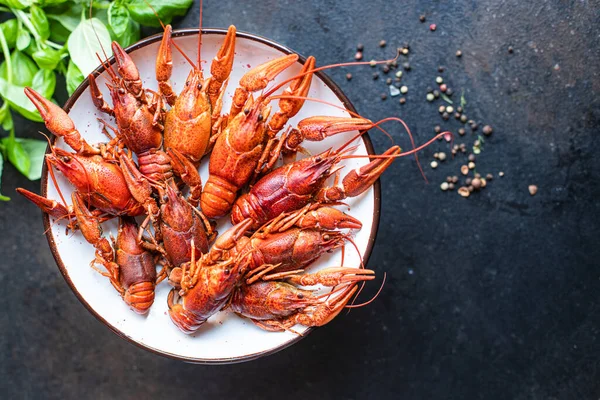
372	63
474	126
476	183
382	43
436	94
442	156
383	96
533	189
449	179
487	130
455	179
446	116
510	49
463	118
375	75
360	47
437	129
489	177
461	131
406	66
463	191
404	89
464	170
432	27
443	87
458	53
449	92
450	109
385	69
471	188
429	89
439	80
478	175
444	186
422	18
483	183
457	115
500	174
451	186
459	109
348	76
471	165
471	157
398	74
430	97
358	56
402	100
442	109
468	181
441	69
434	164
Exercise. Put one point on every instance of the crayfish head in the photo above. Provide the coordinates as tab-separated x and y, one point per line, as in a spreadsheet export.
193	99
175	211
309	174
74	167
125	103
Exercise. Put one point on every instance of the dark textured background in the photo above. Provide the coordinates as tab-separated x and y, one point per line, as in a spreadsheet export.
502	301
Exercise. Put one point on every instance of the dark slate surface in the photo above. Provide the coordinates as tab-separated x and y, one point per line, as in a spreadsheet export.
491	297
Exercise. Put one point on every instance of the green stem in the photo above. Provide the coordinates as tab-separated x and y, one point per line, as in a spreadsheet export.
55	45
6	55
27	22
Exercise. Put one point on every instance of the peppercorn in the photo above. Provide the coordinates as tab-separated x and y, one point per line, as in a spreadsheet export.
446	116
442	109
402	100
449	92
383	96
348	76
533	189
457	115
437	129
444	186
382	43
441	69
406	66
468	181
449	179
510	49
461	131
471	157
388	81
459	109
464	170
458	53
471	165
487	130
375	75
434	164
450	109
422	18
430	97
476	183
463	191
429	89
454	179
385	69
432	27
372	63
360	47
463	118
436	94
439	80
451	186
489	177
358	56
443	87
442	156
404	89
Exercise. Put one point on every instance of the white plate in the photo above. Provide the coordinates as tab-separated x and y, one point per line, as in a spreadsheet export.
225	337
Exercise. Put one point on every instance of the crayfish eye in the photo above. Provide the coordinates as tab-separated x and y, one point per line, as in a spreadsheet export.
121	91
300	296
165	199
226	272
246	111
260	117
187	83
318	159
66	159
199	86
326	237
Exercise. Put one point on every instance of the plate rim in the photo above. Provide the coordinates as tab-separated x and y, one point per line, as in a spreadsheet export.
46	218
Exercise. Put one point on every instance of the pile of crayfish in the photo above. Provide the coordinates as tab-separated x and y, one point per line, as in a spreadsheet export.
281	206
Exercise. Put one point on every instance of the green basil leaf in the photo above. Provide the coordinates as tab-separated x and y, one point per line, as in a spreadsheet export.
23	69
2	197
6	117
166	10
10	28
131	35
15	96
85	42
47	58
40	22
44	82
16	154
74	78
118	18
23	39
46	3
69	18
58	33
17	4
35	149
